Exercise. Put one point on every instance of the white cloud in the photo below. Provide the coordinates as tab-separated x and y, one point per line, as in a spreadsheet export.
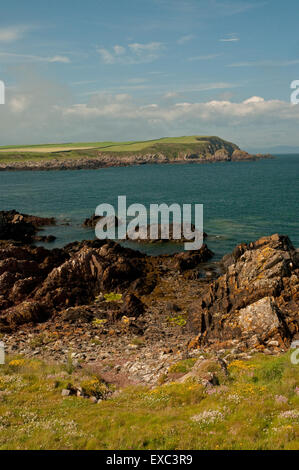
254	99
119	50
40	111
185	39
227	112
234	7
58	58
266	63
203	57
106	56
12	33
137	81
170	95
134	53
11	57
230	38
150	47
18	104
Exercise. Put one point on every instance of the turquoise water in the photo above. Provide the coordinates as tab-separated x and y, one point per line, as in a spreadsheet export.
242	200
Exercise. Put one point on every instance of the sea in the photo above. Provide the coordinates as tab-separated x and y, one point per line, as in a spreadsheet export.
242	201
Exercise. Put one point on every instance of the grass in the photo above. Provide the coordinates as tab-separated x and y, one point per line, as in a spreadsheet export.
53	147
109	146
168	146
256	407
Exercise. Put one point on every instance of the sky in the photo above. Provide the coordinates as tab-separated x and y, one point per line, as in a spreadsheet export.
103	70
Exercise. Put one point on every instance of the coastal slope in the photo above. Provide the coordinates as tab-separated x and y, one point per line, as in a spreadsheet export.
188	149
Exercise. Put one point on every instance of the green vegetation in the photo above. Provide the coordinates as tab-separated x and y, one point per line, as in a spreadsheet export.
170	147
182	367
99	322
108	146
178	320
113	297
255	407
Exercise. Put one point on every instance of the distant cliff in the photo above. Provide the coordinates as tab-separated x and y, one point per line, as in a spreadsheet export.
195	149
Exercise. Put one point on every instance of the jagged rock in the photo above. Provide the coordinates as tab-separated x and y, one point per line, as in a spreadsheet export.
207	372
69	277
132	306
221	154
241	155
27	312
164	233
87	272
265	268
94	219
81	314
21	227
45	238
260	317
191	259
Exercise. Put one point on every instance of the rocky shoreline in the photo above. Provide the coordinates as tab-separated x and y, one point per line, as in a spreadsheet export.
99	160
131	315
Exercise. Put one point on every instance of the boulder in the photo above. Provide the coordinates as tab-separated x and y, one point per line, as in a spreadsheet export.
261	317
27	312
206	372
164	233
191	259
241	155
132	306
21	227
267	268
92	221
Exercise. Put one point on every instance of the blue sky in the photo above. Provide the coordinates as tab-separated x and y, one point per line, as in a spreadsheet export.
137	69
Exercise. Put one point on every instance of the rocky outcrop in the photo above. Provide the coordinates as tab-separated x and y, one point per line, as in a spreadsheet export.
23	227
239	155
258	295
165	233
92	221
48	281
252	296
190	259
207	372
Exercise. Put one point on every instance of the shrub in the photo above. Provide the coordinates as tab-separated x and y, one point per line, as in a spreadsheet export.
179	320
183	366
113	297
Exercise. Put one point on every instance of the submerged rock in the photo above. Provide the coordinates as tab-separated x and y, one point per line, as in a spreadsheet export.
22	227
190	259
92	221
165	233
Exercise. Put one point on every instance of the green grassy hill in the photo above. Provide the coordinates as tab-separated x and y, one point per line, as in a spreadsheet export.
131	146
171	148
